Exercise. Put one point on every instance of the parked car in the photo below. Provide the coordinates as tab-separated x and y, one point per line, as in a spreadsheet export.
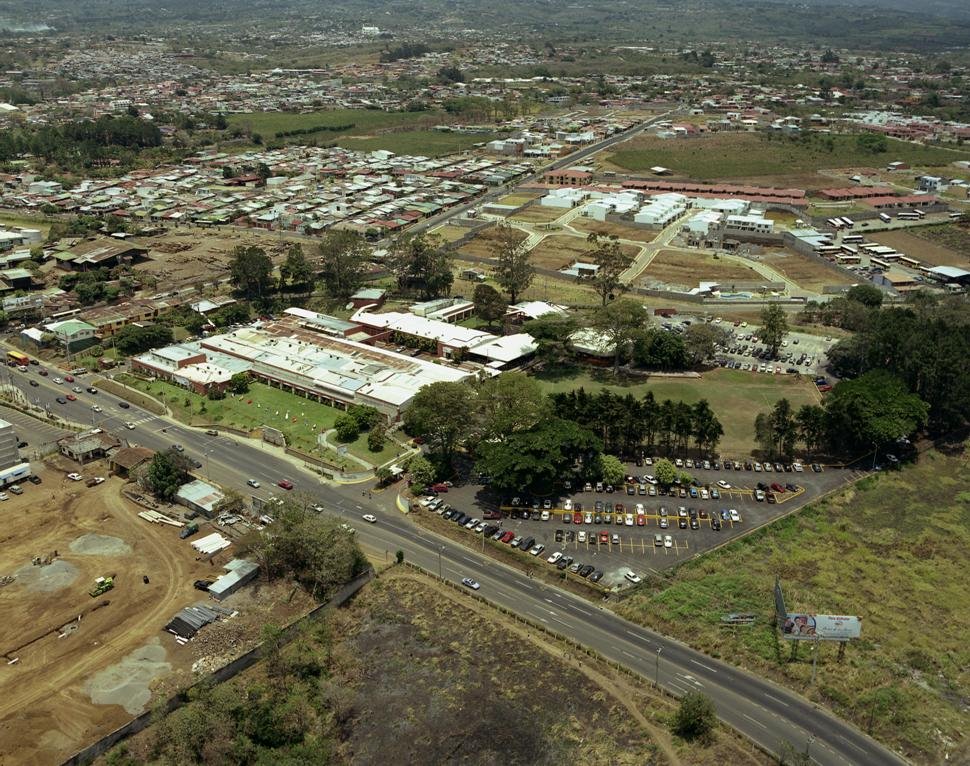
554	558
632	576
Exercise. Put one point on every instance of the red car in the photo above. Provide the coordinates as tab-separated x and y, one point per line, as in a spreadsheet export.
604	537
507	537
777	487
641	520
70	397
577	518
69	378
285	484
439	487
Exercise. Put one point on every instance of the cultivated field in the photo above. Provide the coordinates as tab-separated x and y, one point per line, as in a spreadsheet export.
483	242
687	269
749	155
426	143
66	691
539	214
735	396
946	245
559	251
892	550
804	270
609	228
359	123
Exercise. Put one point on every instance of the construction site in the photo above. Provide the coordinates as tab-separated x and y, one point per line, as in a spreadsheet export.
90	585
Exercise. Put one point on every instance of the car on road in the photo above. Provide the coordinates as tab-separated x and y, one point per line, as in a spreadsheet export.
92	390
370	518
96	408
124	405
74	476
284	484
632	576
178	448
130	426
252	483
71	398
58	381
468	582
34	383
77	389
61	400
68	378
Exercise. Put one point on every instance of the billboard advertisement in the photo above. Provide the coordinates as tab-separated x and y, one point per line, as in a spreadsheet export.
822	627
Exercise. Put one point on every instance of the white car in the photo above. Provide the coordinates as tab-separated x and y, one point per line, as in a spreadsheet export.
735	516
370	518
77	389
668	541
98	479
628	520
96	408
468	582
798	467
481	527
757	467
544	516
58	380
723	484
705	495
581	537
633	577
4	496
759	495
130	426
679	463
588	518
253	483
767	467
74	476
567	505
640	510
537	549
554	558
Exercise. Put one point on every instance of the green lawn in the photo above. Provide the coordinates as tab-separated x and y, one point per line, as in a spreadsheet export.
741	155
892	550
300	420
364	121
736	397
430	143
42	224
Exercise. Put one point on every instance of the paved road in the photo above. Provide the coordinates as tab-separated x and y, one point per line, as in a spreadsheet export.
762	711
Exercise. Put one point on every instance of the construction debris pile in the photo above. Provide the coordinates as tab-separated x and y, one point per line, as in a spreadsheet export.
211	544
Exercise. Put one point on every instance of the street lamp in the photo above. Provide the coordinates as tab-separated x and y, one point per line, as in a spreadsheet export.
656	681
440	549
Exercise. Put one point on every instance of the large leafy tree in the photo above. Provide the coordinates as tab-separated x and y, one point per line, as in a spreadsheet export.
774	327
542	456
513	266
659	350
251	271
610	469
701	340
135	339
875	409
552	333
343	262
810	422
443	415
489	303
166	472
707	429
620	322
510	403
608	254
419	263
295	270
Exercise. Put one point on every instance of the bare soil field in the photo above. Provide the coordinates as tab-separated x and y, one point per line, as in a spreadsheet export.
81	678
923	249
483	242
450	233
518	198
805	271
539	214
690	268
559	251
623	231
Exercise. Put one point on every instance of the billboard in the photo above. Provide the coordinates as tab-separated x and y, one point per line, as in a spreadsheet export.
822	627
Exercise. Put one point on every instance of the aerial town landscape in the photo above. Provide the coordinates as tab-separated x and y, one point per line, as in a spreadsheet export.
449	383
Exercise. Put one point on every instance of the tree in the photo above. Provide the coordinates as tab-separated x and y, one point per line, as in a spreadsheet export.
829	57
610	469
607	253
784	427
540	457
134	339
295	270
343	262
774	327
764	434
701	340
450	74
239	383
510	403
489	304
660	350
365	416
868	295
707	429
251	270
419	263
873	410
695	718
514	271
873	143
228	172
552	333
619	322
384	475
346	427
167	471
665	472
421	471
810	424
377	437
442	413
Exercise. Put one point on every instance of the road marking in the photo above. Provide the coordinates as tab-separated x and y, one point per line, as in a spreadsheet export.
755	721
780	702
853	744
706	667
627	653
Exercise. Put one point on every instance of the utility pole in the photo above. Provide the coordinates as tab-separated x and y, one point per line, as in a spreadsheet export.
440	548
656	680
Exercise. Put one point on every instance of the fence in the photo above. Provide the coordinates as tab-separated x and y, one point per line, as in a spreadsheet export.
226	672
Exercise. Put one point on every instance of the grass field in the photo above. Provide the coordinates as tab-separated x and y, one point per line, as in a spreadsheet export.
539	214
892	550
623	231
805	271
948	235
481	245
519	198
736	397
300	420
450	233
16	221
428	143
365	122
685	269
560	250
739	155
929	244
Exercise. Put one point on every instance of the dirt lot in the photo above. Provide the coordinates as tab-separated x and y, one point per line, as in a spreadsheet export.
805	271
559	251
623	231
189	255
481	245
688	269
64	692
922	249
539	214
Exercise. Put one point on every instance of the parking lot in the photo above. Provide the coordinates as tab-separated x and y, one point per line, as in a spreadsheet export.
617	531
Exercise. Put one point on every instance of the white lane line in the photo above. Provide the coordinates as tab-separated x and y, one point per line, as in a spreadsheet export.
853	744
678	687
706	667
627	653
754	721
526	585
556	619
780	702
635	635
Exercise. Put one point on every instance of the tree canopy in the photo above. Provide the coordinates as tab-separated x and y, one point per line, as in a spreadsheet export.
420	264
608	254
343	262
166	472
774	327
514	271
443	415
251	271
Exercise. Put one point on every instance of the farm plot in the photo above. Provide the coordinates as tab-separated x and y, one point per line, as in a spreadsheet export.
687	269
932	245
805	271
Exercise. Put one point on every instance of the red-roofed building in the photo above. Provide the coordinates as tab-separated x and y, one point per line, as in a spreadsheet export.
856	192
567	177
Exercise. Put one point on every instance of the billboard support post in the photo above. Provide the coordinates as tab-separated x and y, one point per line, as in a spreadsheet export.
841	652
814	660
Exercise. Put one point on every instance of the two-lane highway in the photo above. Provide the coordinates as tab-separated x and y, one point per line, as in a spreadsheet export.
764	712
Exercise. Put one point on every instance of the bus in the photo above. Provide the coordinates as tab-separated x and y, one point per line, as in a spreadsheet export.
850	238
17	358
848	222
911	215
954	216
885	218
